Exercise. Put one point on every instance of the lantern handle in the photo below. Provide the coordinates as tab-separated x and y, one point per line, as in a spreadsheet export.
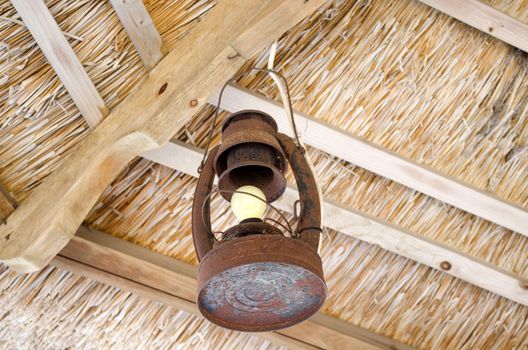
285	94
309	226
201	219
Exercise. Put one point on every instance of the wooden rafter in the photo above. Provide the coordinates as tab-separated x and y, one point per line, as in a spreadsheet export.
486	19
179	85
382	162
141	30
186	158
61	57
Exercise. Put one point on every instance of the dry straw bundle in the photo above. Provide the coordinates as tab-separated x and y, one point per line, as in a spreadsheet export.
393	72
54	309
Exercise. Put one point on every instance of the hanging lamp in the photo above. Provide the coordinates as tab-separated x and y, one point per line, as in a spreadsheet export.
261	275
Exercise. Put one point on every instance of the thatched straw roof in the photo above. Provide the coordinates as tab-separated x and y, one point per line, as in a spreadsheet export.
396	73
56	309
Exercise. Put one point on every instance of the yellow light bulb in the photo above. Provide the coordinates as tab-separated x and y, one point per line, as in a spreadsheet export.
246	206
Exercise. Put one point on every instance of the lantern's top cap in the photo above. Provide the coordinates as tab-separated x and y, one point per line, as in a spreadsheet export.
250	114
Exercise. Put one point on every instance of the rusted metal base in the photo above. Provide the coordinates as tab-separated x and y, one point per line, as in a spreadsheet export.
260	283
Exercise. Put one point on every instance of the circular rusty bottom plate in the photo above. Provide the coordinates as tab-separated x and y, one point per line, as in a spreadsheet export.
274	283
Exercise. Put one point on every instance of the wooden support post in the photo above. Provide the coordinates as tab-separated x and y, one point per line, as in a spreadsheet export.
60	55
175	90
144	35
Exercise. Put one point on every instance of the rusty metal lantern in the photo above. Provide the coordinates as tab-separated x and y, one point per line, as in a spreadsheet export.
259	276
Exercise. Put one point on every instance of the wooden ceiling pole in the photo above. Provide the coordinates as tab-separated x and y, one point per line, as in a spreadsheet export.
343	145
486	19
186	158
55	47
177	87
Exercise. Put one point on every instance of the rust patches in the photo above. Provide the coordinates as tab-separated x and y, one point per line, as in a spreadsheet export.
256	279
250	228
309	228
261	292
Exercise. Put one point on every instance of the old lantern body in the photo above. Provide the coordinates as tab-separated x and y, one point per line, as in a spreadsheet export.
257	277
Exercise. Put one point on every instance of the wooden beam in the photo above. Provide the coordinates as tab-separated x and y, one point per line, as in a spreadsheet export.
166	276
176	89
110	260
141	30
382	162
486	19
61	57
354	223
